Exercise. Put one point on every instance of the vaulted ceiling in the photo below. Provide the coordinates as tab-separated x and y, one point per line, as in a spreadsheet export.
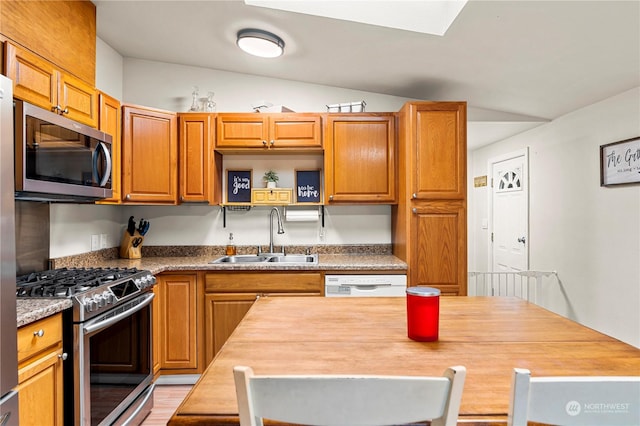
517	63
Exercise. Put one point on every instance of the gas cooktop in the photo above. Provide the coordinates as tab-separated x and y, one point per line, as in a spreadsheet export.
91	290
67	282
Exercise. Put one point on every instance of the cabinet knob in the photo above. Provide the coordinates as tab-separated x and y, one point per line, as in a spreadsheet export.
414	195
264	143
414	210
63	356
128	197
64	111
272	142
330	197
39	333
56	108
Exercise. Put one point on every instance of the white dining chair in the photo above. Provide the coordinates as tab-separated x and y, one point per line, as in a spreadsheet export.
349	399
574	401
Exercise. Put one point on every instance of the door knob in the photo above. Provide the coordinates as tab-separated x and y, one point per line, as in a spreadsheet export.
522	240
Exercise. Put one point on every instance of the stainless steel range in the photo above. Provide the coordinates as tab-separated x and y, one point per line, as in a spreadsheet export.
107	336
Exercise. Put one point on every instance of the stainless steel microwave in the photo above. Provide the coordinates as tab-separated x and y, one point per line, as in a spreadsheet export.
58	159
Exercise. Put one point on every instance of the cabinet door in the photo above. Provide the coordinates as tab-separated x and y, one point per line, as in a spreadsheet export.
78	100
110	123
438	252
360	159
292	131
439	151
223	313
178	321
242	131
39	82
35	80
149	156
200	167
40	394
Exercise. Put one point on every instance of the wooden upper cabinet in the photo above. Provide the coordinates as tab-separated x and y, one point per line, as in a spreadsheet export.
438	150
269	132
149	155
111	123
61	32
41	83
200	167
360	158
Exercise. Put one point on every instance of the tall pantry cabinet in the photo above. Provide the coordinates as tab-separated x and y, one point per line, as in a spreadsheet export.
429	222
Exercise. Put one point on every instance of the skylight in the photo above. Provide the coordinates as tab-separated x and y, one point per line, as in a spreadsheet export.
424	16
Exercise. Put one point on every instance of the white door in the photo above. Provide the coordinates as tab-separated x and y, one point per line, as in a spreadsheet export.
510	214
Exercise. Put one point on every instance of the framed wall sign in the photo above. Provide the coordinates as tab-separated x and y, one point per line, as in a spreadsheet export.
620	162
239	186
308	187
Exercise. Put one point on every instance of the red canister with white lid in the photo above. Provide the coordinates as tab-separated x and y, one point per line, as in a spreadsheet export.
423	313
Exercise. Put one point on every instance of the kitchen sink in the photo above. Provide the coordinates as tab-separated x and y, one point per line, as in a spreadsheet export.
294	258
242	258
271	258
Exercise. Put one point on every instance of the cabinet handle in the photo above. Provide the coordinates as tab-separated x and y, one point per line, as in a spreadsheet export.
264	143
39	333
272	142
63	356
64	111
414	195
330	197
56	109
414	210
128	197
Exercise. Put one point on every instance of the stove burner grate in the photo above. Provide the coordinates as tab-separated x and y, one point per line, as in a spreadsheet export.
66	282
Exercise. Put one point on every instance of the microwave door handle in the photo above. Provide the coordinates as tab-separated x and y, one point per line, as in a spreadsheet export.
107	157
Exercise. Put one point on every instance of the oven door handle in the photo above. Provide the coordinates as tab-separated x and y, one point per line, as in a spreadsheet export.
99	324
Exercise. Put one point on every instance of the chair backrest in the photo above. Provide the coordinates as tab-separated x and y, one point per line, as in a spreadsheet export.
574	401
353	400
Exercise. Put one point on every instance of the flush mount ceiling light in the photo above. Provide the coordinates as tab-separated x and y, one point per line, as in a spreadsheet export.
260	43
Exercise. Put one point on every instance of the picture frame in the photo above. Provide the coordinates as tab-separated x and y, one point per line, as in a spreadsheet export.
308	186
239	185
620	162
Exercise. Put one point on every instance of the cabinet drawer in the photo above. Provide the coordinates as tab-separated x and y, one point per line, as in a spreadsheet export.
271	196
38	336
264	282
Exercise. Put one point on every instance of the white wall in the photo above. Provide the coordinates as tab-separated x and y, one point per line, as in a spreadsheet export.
109	69
587	233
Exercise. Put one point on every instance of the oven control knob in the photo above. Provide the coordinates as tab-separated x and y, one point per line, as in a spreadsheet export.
89	304
99	300
108	297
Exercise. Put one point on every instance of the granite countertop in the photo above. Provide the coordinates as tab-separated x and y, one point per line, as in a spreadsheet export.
30	310
326	262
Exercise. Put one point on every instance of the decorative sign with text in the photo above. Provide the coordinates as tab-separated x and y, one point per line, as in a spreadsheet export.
620	162
239	186
308	188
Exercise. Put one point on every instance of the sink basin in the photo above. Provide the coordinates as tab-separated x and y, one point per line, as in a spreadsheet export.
294	258
271	258
241	258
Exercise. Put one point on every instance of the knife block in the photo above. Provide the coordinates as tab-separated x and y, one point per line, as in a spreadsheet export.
127	249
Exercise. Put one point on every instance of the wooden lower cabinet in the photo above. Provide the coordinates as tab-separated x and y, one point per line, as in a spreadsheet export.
229	296
178	328
40	359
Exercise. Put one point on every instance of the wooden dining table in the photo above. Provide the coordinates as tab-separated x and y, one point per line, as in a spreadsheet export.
490	336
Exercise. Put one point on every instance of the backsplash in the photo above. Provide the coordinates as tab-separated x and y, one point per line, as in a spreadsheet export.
95	257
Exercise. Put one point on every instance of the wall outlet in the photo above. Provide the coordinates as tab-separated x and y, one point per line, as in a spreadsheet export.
95	242
103	241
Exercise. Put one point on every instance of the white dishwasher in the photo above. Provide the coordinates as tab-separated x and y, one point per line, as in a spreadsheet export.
365	285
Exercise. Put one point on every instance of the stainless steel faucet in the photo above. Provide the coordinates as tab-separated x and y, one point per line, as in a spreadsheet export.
280	228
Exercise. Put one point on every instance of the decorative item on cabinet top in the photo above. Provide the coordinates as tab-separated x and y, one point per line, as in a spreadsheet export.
347	107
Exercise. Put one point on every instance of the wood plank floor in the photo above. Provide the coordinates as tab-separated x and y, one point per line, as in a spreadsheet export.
166	399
